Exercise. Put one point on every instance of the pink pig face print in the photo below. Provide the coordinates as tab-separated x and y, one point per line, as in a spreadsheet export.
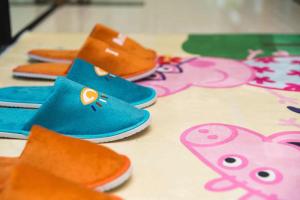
176	74
266	167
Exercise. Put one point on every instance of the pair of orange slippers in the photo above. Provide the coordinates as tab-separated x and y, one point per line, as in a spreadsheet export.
53	166
105	48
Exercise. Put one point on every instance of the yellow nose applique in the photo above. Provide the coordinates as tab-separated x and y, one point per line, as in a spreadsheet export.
88	96
100	72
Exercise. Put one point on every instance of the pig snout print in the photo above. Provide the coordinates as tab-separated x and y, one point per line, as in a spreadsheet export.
266	167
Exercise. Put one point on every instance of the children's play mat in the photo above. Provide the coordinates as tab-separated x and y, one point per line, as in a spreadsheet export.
226	124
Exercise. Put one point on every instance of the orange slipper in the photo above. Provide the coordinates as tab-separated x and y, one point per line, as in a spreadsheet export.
117	62
98	53
76	160
100	32
120	41
26	182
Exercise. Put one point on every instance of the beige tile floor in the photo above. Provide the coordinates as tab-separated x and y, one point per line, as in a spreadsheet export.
181	16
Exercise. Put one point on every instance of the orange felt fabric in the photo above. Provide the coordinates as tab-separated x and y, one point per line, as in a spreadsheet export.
53	69
27	182
108	35
104	34
6	165
100	54
114	61
76	160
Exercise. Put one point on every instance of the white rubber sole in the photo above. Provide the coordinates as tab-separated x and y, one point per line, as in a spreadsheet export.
141	76
43	59
122	135
35	76
144	105
52	77
116	182
12	135
95	140
19	105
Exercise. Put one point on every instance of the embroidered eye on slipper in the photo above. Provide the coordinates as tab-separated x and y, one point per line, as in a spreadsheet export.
99	32
98	53
27	182
85	163
85	74
75	110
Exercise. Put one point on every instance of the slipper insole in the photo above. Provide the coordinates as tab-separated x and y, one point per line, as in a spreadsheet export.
34	95
12	120
52	69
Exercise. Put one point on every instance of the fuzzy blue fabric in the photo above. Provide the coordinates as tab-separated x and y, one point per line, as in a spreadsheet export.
75	110
26	94
83	73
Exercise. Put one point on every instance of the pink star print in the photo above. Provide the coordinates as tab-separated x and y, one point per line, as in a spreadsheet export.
292	87
262	69
294	73
262	80
296	62
266	60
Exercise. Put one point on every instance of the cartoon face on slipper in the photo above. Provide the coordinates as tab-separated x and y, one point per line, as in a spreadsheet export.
179	74
91	97
266	167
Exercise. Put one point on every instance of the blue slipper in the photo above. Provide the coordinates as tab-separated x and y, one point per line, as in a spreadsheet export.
75	110
85	74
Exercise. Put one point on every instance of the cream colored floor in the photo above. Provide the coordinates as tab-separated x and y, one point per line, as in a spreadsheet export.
181	16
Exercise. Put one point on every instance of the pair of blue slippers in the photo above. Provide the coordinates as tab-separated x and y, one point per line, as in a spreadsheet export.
87	104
